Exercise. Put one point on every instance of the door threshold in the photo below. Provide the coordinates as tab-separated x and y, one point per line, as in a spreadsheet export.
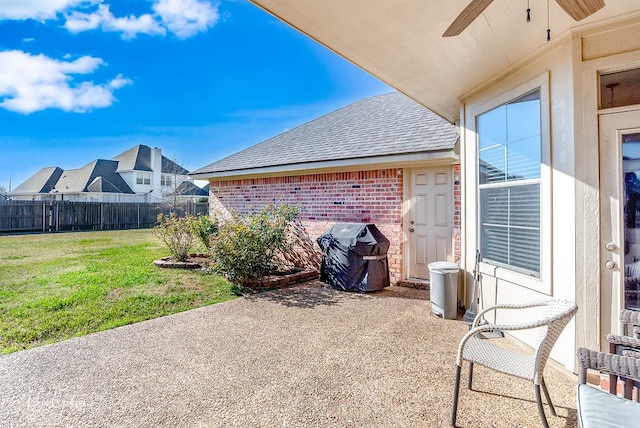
422	284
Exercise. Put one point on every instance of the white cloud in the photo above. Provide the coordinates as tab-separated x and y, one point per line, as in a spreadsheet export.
103	18
30	83
185	18
35	9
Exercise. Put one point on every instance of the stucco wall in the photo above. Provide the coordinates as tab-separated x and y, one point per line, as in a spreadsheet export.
325	199
554	71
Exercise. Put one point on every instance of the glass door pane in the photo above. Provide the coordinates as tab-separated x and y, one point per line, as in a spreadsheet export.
631	171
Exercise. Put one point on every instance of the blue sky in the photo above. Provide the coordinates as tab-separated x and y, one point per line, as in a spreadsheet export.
201	79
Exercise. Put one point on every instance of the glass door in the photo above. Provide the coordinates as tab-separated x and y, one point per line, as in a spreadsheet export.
619	136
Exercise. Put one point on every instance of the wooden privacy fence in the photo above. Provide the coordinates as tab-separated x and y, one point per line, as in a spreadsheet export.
58	216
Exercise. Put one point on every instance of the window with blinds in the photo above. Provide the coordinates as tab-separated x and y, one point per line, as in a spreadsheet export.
509	144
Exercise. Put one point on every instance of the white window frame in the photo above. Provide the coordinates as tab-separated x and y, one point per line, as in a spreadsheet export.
543	282
164	178
143	178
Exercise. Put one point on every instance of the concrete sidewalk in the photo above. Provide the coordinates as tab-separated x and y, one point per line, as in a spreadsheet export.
306	356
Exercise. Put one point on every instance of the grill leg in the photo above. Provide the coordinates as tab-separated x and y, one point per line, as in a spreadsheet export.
456	390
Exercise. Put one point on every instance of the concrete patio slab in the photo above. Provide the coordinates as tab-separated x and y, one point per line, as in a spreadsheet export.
305	356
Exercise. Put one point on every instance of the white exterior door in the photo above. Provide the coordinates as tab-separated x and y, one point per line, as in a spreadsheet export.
429	219
619	216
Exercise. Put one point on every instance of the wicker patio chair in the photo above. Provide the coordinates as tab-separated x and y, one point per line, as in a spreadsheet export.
552	317
628	341
597	408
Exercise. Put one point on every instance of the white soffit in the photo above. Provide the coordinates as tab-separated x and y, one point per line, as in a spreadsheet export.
401	43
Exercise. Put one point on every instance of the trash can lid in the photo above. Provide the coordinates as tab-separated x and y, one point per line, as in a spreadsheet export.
443	267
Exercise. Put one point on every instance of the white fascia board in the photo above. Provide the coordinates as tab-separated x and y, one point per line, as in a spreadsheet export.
441	157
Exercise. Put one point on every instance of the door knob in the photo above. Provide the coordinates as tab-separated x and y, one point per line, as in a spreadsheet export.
610	265
411	230
611	246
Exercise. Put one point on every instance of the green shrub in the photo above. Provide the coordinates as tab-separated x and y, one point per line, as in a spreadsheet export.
204	228
247	248
177	233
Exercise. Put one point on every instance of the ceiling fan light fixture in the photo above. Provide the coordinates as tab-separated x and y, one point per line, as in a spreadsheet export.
577	9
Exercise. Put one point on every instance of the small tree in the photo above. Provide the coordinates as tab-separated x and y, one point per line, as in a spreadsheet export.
248	247
177	233
4	194
172	178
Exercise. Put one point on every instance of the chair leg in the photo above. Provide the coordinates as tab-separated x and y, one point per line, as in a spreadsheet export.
546	395
628	389
543	418
470	380
613	384
456	389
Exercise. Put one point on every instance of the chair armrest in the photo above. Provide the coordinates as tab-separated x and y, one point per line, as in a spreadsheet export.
616	339
619	365
487	327
480	315
629	353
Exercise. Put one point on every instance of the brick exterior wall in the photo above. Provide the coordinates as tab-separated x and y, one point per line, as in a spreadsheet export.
329	198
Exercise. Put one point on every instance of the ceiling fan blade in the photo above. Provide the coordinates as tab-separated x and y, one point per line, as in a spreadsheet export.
467	16
580	9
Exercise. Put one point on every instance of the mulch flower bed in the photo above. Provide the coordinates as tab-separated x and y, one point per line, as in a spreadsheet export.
274	280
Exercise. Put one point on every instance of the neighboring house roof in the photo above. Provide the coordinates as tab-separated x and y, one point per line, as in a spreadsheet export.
97	176
170	167
188	188
40	182
382	125
138	158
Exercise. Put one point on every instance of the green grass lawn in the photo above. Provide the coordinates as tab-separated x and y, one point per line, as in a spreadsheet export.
57	286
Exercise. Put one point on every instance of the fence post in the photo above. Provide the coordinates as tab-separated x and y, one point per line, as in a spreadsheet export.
138	206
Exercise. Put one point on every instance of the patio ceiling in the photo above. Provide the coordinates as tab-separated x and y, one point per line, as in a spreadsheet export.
401	43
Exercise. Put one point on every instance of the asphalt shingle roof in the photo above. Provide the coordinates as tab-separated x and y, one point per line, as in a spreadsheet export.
40	182
138	158
381	125
188	188
100	175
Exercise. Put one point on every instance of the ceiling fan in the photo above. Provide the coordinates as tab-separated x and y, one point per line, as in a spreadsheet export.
577	9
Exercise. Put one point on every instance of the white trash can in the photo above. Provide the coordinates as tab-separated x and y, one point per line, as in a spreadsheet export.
444	289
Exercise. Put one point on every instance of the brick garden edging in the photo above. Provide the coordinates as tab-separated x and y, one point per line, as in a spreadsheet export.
274	281
167	263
